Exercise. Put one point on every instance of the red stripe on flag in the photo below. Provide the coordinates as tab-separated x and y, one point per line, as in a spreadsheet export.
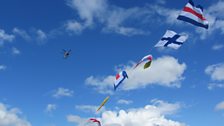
187	9
117	76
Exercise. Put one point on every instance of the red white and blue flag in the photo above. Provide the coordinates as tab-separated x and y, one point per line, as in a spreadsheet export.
194	15
120	78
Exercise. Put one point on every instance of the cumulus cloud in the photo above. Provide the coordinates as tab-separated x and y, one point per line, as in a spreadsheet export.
102	85
50	108
116	19
216	71
112	18
63	92
15	51
172	74
150	115
219	106
89	9
74	27
2	67
11	117
4	37
125	102
166	14
214	14
77	119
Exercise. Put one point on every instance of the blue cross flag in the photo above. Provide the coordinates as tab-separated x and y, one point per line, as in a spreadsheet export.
172	39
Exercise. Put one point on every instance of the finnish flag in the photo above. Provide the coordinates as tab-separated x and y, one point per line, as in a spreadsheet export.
172	39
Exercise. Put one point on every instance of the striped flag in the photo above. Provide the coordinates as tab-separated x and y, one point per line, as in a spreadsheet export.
194	15
171	39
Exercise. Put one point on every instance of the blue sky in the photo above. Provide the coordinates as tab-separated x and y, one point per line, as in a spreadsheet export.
39	87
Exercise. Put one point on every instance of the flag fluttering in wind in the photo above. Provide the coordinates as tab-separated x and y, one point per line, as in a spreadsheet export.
95	121
103	103
147	60
171	39
194	15
120	78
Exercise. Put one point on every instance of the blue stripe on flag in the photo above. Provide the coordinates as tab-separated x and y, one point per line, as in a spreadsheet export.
189	20
115	86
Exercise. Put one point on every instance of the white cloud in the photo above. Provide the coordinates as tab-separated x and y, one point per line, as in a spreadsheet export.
2	67
35	35
170	15
63	92
77	119
11	117
22	33
217	47
138	78
220	106
214	14
50	108
216	71
102	85
89	9
111	17
89	108
215	85
41	36
15	51
217	9
74	27
150	115
123	101
4	37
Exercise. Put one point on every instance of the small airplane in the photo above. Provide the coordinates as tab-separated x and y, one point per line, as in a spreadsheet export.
66	53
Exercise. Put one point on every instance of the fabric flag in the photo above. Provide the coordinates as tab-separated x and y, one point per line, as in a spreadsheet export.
147	60
103	103
120	78
172	39
194	15
95	121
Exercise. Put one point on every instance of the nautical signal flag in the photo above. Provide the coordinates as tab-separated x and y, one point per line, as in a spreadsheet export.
120	78
147	60
171	39
95	121
194	15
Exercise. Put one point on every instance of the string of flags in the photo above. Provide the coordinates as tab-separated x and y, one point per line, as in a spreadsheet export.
191	14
